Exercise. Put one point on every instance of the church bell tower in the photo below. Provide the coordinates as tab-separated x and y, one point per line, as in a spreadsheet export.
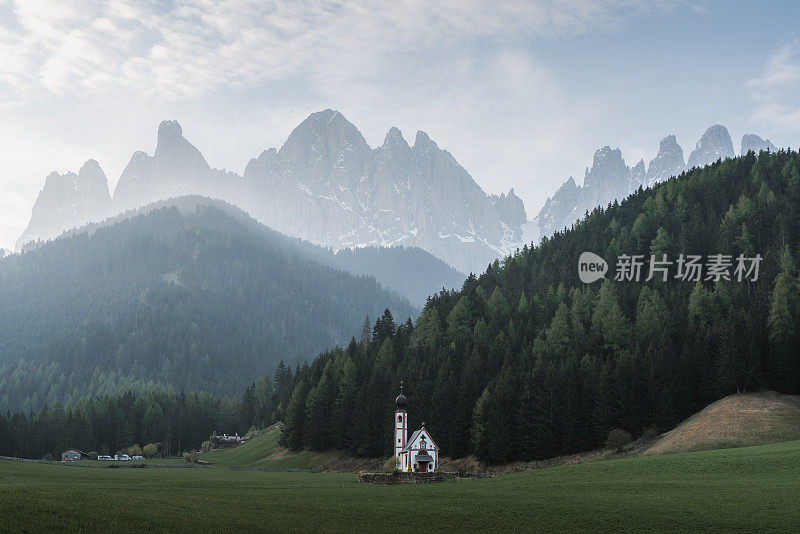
400	423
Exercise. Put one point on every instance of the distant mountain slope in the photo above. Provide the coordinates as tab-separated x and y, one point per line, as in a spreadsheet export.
735	421
408	271
174	298
324	185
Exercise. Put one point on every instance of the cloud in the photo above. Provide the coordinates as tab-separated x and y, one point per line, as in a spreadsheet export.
188	49
776	91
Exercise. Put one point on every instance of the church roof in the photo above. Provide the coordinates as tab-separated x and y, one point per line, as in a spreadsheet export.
414	437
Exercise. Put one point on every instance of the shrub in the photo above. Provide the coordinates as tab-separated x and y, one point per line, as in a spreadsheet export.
92	455
617	439
150	450
649	434
392	464
135	450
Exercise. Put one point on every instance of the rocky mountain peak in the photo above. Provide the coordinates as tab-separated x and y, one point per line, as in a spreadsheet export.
667	163
169	131
393	136
754	143
176	168
422	141
510	208
67	201
638	176
608	177
713	145
324	116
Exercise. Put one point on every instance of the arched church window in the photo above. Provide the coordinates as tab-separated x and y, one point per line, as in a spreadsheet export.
399	418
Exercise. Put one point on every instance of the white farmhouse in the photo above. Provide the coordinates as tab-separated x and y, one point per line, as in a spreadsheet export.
416	455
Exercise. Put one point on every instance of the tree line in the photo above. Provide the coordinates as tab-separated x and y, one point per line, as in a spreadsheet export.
527	362
172	422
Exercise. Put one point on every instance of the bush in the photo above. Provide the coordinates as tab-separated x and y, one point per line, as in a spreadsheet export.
650	434
150	450
392	464
92	455
617	439
135	450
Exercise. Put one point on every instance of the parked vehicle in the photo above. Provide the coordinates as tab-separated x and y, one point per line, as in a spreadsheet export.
105	457
138	457
122	457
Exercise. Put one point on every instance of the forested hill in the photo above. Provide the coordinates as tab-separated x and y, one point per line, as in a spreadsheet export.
410	272
525	361
194	299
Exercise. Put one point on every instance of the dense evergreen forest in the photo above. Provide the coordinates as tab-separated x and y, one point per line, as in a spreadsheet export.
527	362
175	423
193	299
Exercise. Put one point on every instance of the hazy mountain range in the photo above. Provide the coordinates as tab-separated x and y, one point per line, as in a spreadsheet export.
325	185
610	178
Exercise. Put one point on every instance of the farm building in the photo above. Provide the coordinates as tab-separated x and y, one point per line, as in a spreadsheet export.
416	455
70	456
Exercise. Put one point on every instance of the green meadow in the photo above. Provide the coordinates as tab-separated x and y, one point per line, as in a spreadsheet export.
745	489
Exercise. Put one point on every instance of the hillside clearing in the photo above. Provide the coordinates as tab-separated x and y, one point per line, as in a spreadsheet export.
735	421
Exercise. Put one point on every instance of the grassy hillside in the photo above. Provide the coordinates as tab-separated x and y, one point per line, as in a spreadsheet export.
746	489
264	451
735	421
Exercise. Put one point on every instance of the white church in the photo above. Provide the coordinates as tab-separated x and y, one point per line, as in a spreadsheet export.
418	454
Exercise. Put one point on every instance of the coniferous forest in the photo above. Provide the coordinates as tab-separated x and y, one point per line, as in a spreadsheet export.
199	300
525	361
176	422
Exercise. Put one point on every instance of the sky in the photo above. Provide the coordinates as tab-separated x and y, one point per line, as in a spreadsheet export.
521	93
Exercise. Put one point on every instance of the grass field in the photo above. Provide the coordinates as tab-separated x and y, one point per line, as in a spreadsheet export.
745	489
264	451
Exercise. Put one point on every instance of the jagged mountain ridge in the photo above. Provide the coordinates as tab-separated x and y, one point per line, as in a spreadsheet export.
752	142
68	200
611	179
326	185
